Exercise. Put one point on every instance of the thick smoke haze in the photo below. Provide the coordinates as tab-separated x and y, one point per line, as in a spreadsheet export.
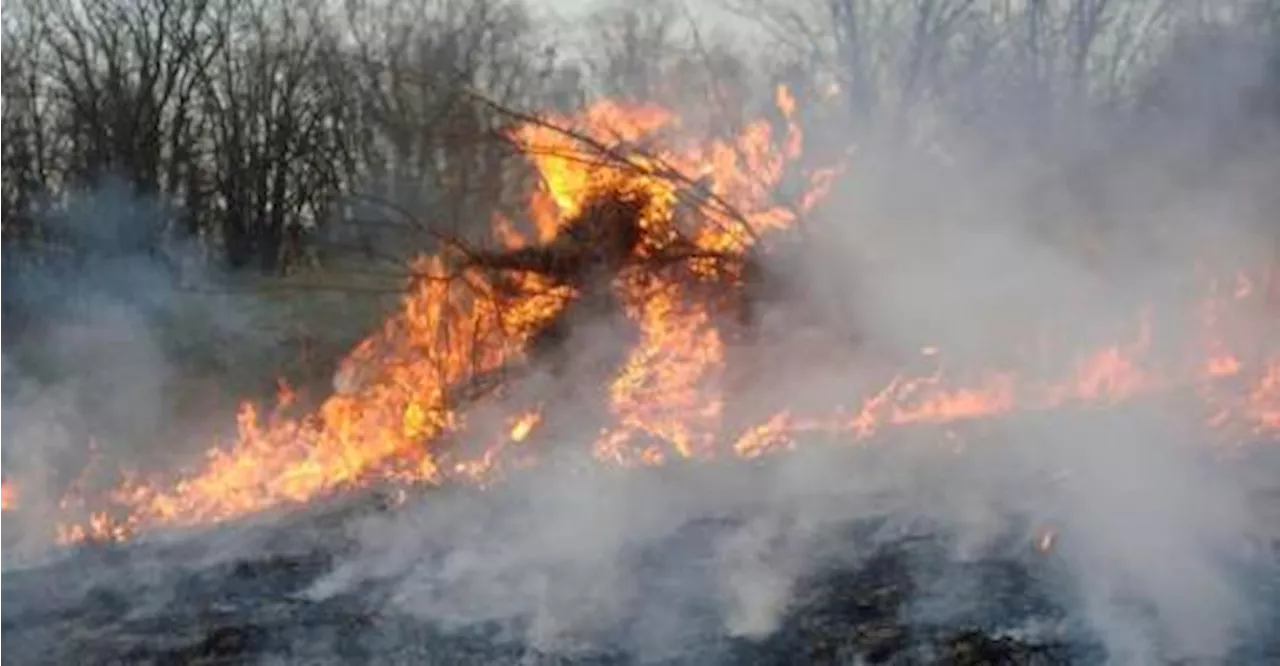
97	358
965	246
967	255
111	340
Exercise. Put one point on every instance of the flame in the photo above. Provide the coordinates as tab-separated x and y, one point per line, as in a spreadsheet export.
525	425
8	496
401	412
760	439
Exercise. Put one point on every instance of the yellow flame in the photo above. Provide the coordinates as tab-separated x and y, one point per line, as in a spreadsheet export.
525	424
399	415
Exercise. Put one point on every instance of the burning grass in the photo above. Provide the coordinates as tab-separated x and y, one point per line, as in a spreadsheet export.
668	241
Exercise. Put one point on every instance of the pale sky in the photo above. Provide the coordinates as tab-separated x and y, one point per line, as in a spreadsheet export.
576	8
706	12
567	15
567	8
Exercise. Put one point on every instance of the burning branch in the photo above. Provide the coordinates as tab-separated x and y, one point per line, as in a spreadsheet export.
635	160
623	233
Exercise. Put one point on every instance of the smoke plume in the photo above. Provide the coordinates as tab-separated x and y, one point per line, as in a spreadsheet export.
967	255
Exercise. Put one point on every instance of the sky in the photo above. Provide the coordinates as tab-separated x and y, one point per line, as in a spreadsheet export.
566	10
565	19
578	8
569	8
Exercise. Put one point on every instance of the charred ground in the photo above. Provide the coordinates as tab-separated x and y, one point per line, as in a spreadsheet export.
884	589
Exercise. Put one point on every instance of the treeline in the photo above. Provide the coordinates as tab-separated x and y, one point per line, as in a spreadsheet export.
250	118
264	126
259	123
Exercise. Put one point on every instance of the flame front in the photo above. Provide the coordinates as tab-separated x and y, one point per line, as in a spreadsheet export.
407	396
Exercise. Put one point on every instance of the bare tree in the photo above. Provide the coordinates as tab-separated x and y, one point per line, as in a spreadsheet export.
636	49
111	91
271	130
902	64
128	74
425	147
24	118
27	164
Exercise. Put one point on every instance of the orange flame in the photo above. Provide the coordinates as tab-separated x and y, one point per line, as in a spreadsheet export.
399	411
8	496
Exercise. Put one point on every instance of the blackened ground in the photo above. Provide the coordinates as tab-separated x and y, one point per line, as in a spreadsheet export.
250	611
194	600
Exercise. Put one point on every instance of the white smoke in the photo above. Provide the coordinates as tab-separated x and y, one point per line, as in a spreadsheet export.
967	255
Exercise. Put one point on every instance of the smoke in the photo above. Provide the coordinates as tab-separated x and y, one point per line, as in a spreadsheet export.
1153	529
104	333
969	254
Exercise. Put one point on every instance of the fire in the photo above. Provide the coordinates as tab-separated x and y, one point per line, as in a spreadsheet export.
764	437
8	496
467	333
525	425
400	392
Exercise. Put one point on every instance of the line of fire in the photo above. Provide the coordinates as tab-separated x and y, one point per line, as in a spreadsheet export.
628	305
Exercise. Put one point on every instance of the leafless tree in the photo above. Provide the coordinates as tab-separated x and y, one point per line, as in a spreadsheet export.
127	75
24	117
108	89
275	142
897	60
251	118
